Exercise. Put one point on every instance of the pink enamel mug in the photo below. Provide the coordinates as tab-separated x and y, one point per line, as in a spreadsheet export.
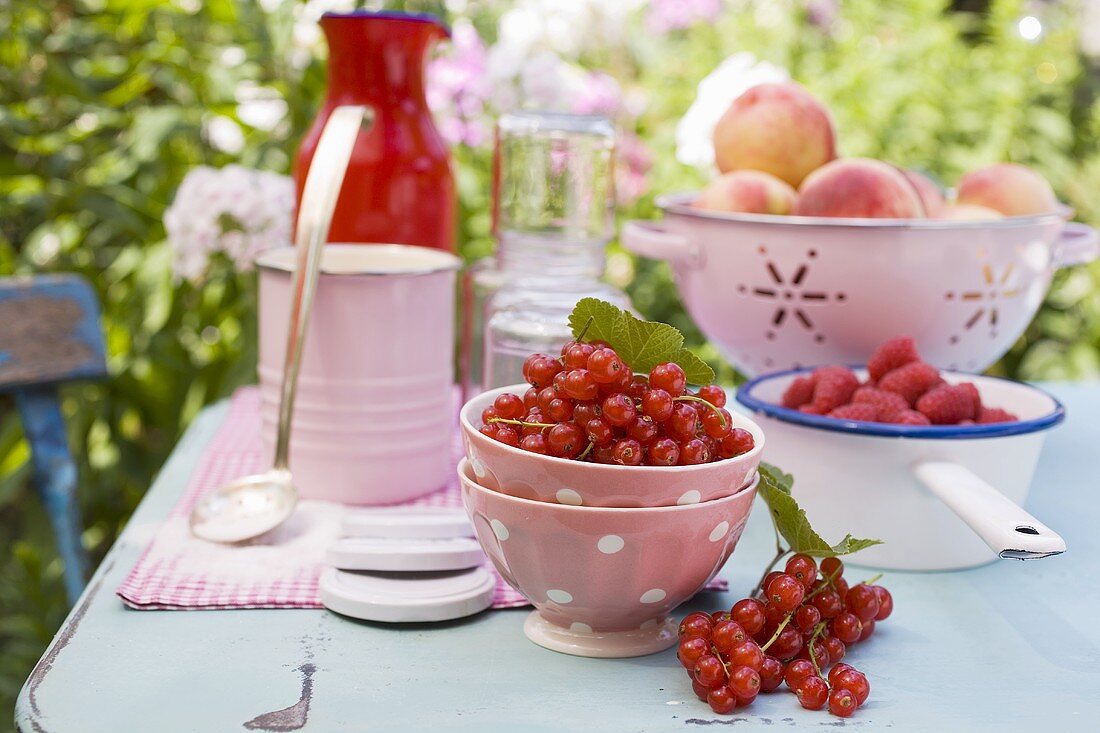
374	415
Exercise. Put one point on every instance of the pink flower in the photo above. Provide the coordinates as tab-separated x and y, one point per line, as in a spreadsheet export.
458	88
599	94
671	15
633	162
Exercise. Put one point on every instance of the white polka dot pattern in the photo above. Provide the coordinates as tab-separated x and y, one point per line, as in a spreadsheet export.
580	628
689	497
720	531
559	596
499	529
609	544
648	624
654	595
568	496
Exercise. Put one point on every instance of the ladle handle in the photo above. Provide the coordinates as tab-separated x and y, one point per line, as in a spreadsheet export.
322	188
1008	530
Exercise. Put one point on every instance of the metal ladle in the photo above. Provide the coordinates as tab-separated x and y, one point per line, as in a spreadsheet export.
253	505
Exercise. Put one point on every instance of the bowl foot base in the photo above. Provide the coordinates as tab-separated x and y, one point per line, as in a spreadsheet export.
606	644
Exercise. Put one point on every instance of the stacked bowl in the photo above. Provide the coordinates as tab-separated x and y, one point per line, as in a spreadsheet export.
603	552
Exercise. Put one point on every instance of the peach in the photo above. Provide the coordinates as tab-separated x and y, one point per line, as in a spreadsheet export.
751	192
777	128
1013	190
860	188
930	194
969	212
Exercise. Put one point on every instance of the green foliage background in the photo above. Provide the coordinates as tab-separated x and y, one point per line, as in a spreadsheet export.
102	104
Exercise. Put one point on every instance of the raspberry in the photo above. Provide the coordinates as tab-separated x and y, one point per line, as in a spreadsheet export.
969	387
988	415
894	353
856	411
800	392
910	417
886	404
810	410
835	385
948	405
910	381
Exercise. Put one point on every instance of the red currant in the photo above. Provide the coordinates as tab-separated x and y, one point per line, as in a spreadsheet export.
713	394
509	406
717	617
885	603
565	440
545	397
738	442
606	366
663	452
717	424
694	452
559	384
488	415
749	612
534	416
863	602
619	410
696	624
643	429
842	702
599	432
507	434
847	627
708	671
828	602
683	422
785	593
489	431
639	385
803	568
836	648
812	692
657	404
722	700
797	671
771	674
855	682
700	691
832	567
726	635
691	649
542	369
806	618
747	653
786	645
868	629
669	377
534	443
576	356
579	385
585	411
560	410
745	682
531	398
836	670
628	452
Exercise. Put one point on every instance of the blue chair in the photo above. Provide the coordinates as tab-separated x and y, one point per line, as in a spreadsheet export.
50	334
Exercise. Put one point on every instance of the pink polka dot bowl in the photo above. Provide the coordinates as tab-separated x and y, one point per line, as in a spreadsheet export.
603	580
529	475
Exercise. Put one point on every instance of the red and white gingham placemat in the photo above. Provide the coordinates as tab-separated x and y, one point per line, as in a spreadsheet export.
178	571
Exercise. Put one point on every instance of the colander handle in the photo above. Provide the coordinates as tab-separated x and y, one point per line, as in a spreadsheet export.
1008	530
651	240
1078	244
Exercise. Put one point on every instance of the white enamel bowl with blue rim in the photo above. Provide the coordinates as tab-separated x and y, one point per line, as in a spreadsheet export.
926	491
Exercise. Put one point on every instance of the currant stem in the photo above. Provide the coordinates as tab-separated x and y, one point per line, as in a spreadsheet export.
828	584
780	551
584	454
693	398
778	630
872	581
818	631
584	330
509	421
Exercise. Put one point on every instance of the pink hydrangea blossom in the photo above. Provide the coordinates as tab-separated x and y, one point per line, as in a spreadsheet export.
459	87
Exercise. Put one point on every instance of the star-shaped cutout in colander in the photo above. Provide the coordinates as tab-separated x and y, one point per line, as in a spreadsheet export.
791	296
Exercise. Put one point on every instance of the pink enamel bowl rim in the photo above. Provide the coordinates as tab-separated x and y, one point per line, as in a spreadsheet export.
680	205
518	390
465	472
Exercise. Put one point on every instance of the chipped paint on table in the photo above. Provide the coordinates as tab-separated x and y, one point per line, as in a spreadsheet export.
1000	649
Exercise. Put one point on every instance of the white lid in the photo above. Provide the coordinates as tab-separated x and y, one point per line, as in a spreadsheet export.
404	597
404	554
407	521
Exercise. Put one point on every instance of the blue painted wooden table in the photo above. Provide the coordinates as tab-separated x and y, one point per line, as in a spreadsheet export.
1008	647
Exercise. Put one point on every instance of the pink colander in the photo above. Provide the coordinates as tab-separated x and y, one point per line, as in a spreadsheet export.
780	292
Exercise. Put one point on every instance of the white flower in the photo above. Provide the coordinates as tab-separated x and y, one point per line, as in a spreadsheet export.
735	75
235	210
223	134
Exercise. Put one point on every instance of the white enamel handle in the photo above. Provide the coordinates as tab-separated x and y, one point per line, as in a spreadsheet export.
1078	244
651	240
1008	530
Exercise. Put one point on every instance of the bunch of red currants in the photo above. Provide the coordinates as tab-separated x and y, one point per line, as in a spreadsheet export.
590	405
801	626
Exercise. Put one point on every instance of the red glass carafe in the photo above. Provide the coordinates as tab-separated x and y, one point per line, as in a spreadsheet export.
399	186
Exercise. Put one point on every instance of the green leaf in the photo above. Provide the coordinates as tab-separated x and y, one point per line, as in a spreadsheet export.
696	370
641	344
604	318
645	344
791	521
